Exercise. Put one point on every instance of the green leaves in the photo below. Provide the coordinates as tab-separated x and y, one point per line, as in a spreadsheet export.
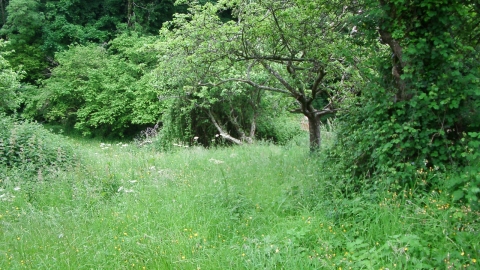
295	48
29	147
9	85
99	92
430	91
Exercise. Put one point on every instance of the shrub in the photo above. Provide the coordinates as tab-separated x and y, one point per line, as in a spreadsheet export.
29	147
280	128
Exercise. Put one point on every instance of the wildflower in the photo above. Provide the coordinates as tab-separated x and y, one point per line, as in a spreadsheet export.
216	161
16	188
195	138
474	260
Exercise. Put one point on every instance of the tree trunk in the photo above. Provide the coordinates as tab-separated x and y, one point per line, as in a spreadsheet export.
2	9
223	134
314	129
129	12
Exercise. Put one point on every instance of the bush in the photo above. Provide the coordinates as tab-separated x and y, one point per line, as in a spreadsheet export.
29	147
280	129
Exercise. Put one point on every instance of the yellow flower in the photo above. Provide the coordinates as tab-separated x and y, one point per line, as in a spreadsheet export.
474	260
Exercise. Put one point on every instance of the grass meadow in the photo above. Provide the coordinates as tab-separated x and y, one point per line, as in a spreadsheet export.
258	206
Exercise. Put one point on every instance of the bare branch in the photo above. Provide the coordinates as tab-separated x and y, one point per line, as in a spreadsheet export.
279	58
221	131
231	117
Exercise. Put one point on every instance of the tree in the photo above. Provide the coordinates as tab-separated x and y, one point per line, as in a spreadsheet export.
23	31
92	90
295	48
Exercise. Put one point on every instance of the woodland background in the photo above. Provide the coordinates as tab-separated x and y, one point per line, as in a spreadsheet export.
387	93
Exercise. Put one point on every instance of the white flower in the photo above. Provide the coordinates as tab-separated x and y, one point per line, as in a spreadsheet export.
216	161
195	138
125	190
16	188
133	181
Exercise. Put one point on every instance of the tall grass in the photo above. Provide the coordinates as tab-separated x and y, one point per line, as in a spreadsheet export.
248	207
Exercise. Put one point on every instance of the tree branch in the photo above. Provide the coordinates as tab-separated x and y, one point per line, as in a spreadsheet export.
279	58
317	82
249	82
221	131
279	77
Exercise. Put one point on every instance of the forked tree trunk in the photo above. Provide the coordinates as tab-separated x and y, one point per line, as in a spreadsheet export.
314	129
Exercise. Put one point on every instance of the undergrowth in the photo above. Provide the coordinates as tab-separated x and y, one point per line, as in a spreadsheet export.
248	207
26	148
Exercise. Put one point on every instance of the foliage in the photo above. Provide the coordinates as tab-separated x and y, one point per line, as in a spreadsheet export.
23	22
465	186
9	85
38	29
96	91
28	147
79	22
422	97
290	52
280	129
23	32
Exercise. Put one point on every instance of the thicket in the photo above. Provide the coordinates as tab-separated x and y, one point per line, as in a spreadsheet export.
29	148
419	116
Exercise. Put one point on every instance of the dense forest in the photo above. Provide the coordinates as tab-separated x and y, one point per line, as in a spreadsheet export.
239	134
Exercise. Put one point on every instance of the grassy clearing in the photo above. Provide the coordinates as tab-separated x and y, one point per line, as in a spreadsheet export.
251	207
